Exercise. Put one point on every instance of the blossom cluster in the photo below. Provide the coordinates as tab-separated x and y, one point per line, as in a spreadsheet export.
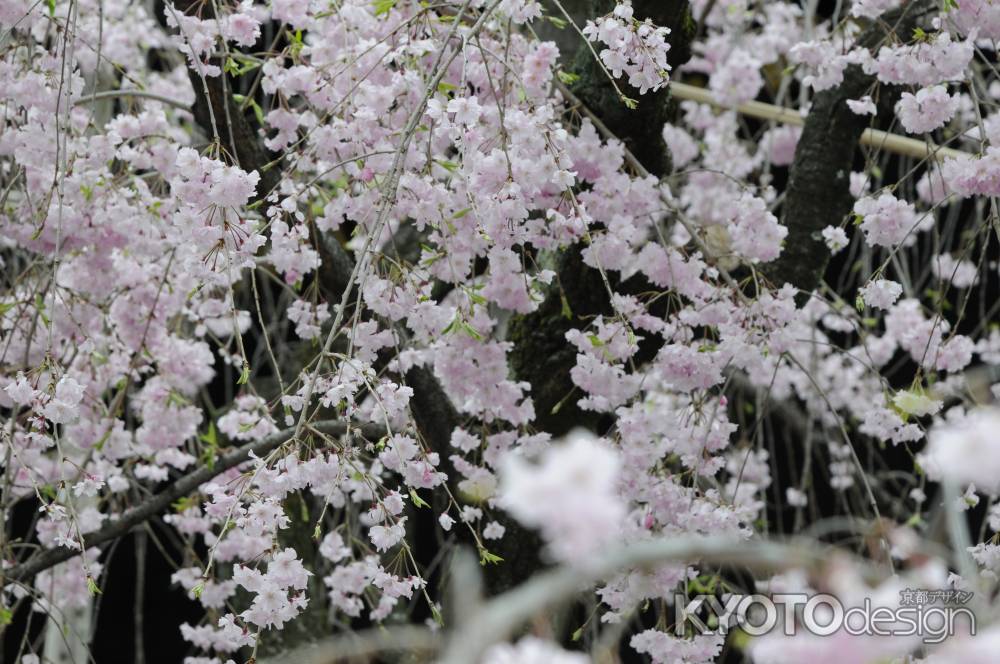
635	48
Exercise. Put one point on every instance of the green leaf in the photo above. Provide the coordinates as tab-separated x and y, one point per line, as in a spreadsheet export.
383	6
558	22
630	103
244	375
40	306
175	398
92	586
451	327
6	616
100	444
210	437
52	7
258	112
567	77
208	458
184	503
739	639
485	557
417	500
566	311
445	88
471	331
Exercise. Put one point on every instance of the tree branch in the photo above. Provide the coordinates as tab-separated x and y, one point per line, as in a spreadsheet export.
162	501
409	639
873	138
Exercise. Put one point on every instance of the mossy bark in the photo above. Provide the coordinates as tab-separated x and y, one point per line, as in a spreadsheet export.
541	354
217	113
640	128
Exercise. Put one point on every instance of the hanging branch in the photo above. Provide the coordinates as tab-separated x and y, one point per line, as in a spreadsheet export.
184	486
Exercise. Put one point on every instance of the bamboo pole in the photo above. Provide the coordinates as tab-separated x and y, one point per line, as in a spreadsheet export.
875	138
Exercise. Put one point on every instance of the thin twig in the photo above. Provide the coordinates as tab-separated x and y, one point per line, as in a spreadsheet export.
112	94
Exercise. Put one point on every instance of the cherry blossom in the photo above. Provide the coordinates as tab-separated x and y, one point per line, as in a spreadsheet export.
582	472
959	448
636	48
927	110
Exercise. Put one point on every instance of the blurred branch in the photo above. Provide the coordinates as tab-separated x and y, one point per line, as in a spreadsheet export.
363	644
498	619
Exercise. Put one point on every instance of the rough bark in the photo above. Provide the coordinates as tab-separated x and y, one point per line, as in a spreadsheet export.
818	190
235	131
